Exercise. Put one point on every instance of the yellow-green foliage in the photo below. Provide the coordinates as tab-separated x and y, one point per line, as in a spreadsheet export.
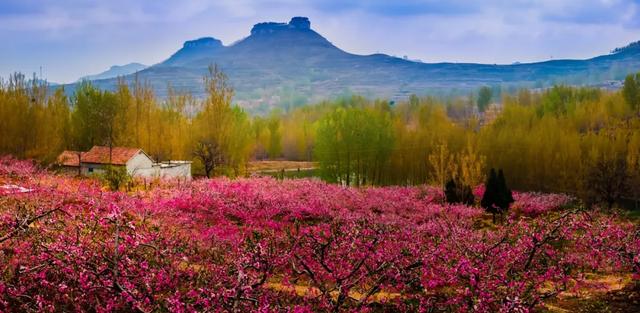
549	141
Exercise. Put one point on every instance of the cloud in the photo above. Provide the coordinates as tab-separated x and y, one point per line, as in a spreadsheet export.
593	12
400	8
74	14
76	37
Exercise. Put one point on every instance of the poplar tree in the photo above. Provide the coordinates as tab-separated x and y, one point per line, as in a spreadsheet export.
631	91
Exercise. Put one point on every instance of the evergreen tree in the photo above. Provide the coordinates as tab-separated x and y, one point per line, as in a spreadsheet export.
451	192
490	194
505	196
458	192
467	196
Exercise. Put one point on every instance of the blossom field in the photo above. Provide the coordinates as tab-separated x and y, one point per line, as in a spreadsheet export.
260	244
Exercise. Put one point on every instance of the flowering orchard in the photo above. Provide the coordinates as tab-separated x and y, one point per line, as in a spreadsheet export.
264	245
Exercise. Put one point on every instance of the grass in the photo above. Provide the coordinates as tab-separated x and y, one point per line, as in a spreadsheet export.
279	165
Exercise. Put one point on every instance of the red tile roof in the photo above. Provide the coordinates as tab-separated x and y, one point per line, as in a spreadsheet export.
119	155
70	158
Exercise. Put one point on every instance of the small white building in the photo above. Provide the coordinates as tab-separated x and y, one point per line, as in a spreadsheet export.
136	161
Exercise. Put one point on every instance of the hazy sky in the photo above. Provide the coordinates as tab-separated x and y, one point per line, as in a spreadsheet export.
72	38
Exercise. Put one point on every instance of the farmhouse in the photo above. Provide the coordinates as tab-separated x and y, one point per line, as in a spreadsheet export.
136	162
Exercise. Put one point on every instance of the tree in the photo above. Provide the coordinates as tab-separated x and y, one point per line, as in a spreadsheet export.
484	98
274	126
443	165
631	91
353	144
490	194
210	155
451	192
457	192
497	196
471	165
221	131
505	198
607	181
467	195
259	137
97	117
115	177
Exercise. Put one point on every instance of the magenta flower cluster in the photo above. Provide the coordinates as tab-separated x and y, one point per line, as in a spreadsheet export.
265	245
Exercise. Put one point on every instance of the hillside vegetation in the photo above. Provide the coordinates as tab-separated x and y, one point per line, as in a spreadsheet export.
564	139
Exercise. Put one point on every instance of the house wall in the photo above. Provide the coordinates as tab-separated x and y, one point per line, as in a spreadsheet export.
151	172
139	163
176	171
91	169
68	170
142	166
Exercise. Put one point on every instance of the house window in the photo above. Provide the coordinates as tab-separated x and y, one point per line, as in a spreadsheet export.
91	170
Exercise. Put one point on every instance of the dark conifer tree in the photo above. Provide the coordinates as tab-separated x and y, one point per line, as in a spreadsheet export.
491	194
505	198
467	195
451	192
457	192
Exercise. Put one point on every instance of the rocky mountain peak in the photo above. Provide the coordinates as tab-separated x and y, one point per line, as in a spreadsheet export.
298	22
203	42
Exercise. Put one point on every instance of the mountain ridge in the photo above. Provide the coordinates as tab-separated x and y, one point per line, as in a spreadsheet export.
290	64
115	71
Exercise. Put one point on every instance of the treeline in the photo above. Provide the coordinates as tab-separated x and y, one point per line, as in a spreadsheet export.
576	140
582	141
563	139
38	123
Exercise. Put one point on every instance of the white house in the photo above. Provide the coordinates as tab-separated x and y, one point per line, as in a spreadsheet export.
136	161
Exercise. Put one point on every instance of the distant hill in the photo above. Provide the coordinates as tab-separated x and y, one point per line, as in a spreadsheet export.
115	71
289	64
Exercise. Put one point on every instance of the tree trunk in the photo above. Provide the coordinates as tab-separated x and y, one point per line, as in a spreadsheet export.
79	163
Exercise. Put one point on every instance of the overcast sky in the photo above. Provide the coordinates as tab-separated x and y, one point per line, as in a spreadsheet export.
73	38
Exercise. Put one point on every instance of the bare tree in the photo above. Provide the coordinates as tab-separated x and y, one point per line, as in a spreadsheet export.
607	181
210	154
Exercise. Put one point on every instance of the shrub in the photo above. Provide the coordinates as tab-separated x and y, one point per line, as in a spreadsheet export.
116	177
457	192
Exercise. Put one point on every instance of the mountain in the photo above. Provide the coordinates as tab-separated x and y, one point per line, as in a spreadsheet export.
116	71
289	64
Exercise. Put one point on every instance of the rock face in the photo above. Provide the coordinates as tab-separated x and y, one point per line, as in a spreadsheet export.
298	22
202	42
194	50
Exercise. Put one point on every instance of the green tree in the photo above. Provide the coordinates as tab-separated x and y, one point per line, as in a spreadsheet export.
97	117
221	131
631	91
485	94
115	177
354	144
56	131
274	125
